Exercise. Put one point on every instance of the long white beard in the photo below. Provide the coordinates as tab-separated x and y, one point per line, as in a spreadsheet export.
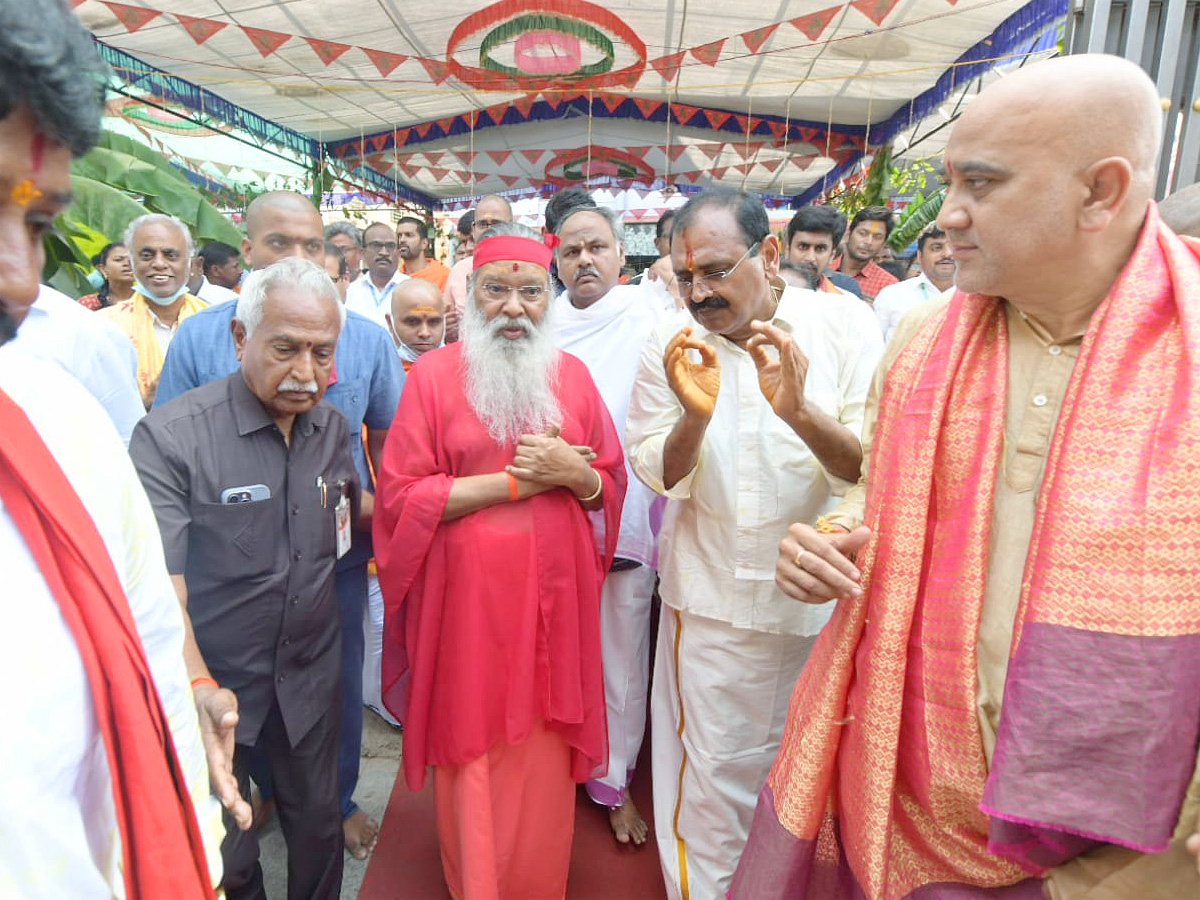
510	383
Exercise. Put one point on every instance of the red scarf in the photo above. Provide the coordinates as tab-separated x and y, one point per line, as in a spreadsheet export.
163	853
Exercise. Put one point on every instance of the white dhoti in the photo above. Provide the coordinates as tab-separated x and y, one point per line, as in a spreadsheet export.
373	652
720	699
625	650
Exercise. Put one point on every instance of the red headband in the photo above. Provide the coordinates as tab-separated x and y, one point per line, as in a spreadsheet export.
511	247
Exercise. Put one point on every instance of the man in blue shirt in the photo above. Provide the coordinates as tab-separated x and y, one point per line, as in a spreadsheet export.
365	388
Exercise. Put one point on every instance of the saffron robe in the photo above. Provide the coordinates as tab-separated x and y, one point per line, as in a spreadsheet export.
492	620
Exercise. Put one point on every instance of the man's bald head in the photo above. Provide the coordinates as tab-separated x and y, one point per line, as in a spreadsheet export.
1181	211
418	317
281	224
491	209
1050	170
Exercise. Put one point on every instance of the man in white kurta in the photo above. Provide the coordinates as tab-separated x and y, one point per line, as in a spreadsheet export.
745	418
606	324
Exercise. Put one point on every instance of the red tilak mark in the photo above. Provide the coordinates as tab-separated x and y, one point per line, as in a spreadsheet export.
687	246
36	150
516	267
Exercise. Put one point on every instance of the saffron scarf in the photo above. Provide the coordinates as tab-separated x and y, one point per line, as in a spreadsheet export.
136	318
881	788
162	850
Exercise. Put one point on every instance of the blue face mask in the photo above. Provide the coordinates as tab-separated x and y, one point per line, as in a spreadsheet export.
160	301
95	279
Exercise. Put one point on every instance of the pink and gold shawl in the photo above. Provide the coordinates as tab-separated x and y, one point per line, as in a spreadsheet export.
881	789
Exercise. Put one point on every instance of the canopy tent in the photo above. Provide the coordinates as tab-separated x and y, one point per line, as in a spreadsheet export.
432	102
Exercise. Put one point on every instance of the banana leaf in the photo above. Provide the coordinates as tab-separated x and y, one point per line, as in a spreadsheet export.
916	215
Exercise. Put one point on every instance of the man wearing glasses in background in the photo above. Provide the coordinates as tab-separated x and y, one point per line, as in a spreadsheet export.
491	209
372	296
742	420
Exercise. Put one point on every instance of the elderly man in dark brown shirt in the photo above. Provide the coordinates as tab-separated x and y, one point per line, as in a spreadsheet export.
254	489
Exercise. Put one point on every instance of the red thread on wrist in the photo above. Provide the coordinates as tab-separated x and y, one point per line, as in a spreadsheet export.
513	487
204	679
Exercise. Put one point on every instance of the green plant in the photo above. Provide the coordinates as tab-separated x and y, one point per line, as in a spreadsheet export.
112	185
919	212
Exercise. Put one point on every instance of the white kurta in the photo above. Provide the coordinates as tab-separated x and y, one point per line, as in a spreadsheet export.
731	645
58	829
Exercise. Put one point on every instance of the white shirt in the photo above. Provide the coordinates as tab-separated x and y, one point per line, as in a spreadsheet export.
895	300
59	835
87	346
212	294
363	297
608	336
754	477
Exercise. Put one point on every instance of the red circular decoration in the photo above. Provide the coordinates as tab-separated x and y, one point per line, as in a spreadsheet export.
531	59
598	161
588	13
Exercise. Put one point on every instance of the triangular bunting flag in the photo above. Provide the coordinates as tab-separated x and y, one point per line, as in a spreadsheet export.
756	38
808	134
647	106
803	162
717	118
745	150
835	139
438	173
813	24
132	17
683	113
341	151
771	164
675	151
378	141
709	53
264	41
718	174
200	29
385	62
510	180
744	168
875	10
467	157
777	128
434	157
524	105
553	100
223	168
438	71
423	129
327	51
532	155
668	66
445	124
712	151
743	124
409	170
611	101
499	157
401	136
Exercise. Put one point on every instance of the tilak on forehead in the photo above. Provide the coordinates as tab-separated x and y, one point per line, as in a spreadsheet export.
515	249
23	192
425	310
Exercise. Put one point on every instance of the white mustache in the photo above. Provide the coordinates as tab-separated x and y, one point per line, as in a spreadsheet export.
501	321
291	384
587	270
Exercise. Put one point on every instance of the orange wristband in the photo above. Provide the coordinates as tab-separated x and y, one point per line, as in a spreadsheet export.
513	487
204	679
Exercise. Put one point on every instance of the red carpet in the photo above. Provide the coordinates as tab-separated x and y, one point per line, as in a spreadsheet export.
406	865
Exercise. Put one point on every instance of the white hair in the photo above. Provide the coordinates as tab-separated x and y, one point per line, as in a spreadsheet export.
158	219
510	383
292	271
615	225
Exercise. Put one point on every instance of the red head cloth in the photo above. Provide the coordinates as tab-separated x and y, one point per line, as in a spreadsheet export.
511	247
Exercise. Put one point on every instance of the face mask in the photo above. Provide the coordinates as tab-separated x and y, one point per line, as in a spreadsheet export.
95	279
160	301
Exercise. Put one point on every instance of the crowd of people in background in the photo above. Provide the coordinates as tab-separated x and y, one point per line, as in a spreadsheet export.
925	548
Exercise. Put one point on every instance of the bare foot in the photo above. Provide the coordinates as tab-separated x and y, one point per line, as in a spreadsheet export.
360	832
627	823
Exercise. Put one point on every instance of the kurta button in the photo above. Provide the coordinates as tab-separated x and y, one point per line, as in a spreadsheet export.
297	554
281	677
295	510
1038	400
1055	350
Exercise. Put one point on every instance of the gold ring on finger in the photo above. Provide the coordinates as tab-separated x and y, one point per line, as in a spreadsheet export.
799	558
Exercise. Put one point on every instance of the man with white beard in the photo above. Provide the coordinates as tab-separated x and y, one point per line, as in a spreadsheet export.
491	569
606	324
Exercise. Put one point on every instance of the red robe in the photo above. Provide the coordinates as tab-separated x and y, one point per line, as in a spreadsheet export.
492	620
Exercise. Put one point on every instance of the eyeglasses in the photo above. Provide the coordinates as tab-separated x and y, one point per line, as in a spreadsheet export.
712	280
529	293
381	246
481	225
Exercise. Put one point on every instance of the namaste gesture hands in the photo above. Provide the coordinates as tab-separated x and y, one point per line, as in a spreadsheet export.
695	384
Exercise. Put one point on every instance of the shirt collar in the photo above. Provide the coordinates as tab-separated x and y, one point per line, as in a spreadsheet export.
250	415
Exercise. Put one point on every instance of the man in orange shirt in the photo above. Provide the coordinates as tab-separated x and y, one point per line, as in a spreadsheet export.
411	243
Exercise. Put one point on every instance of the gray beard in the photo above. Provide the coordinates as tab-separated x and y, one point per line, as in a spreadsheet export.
509	384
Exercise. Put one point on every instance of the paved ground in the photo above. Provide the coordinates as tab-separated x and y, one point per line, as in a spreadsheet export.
380	762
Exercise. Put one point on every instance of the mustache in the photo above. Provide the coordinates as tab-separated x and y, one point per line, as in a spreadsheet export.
500	322
713	302
294	384
587	270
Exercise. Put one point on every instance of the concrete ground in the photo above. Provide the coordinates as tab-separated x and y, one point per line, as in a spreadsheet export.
380	763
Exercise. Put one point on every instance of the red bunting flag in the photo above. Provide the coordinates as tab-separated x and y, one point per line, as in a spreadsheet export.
327	51
264	41
422	130
875	10
378	141
524	105
813	24
771	164
132	17
709	54
718	174
510	180
438	71
647	106
756	38
200	29
499	157
434	157
668	66
532	155
385	62
712	151
438	173
717	118
675	151
777	128
611	101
